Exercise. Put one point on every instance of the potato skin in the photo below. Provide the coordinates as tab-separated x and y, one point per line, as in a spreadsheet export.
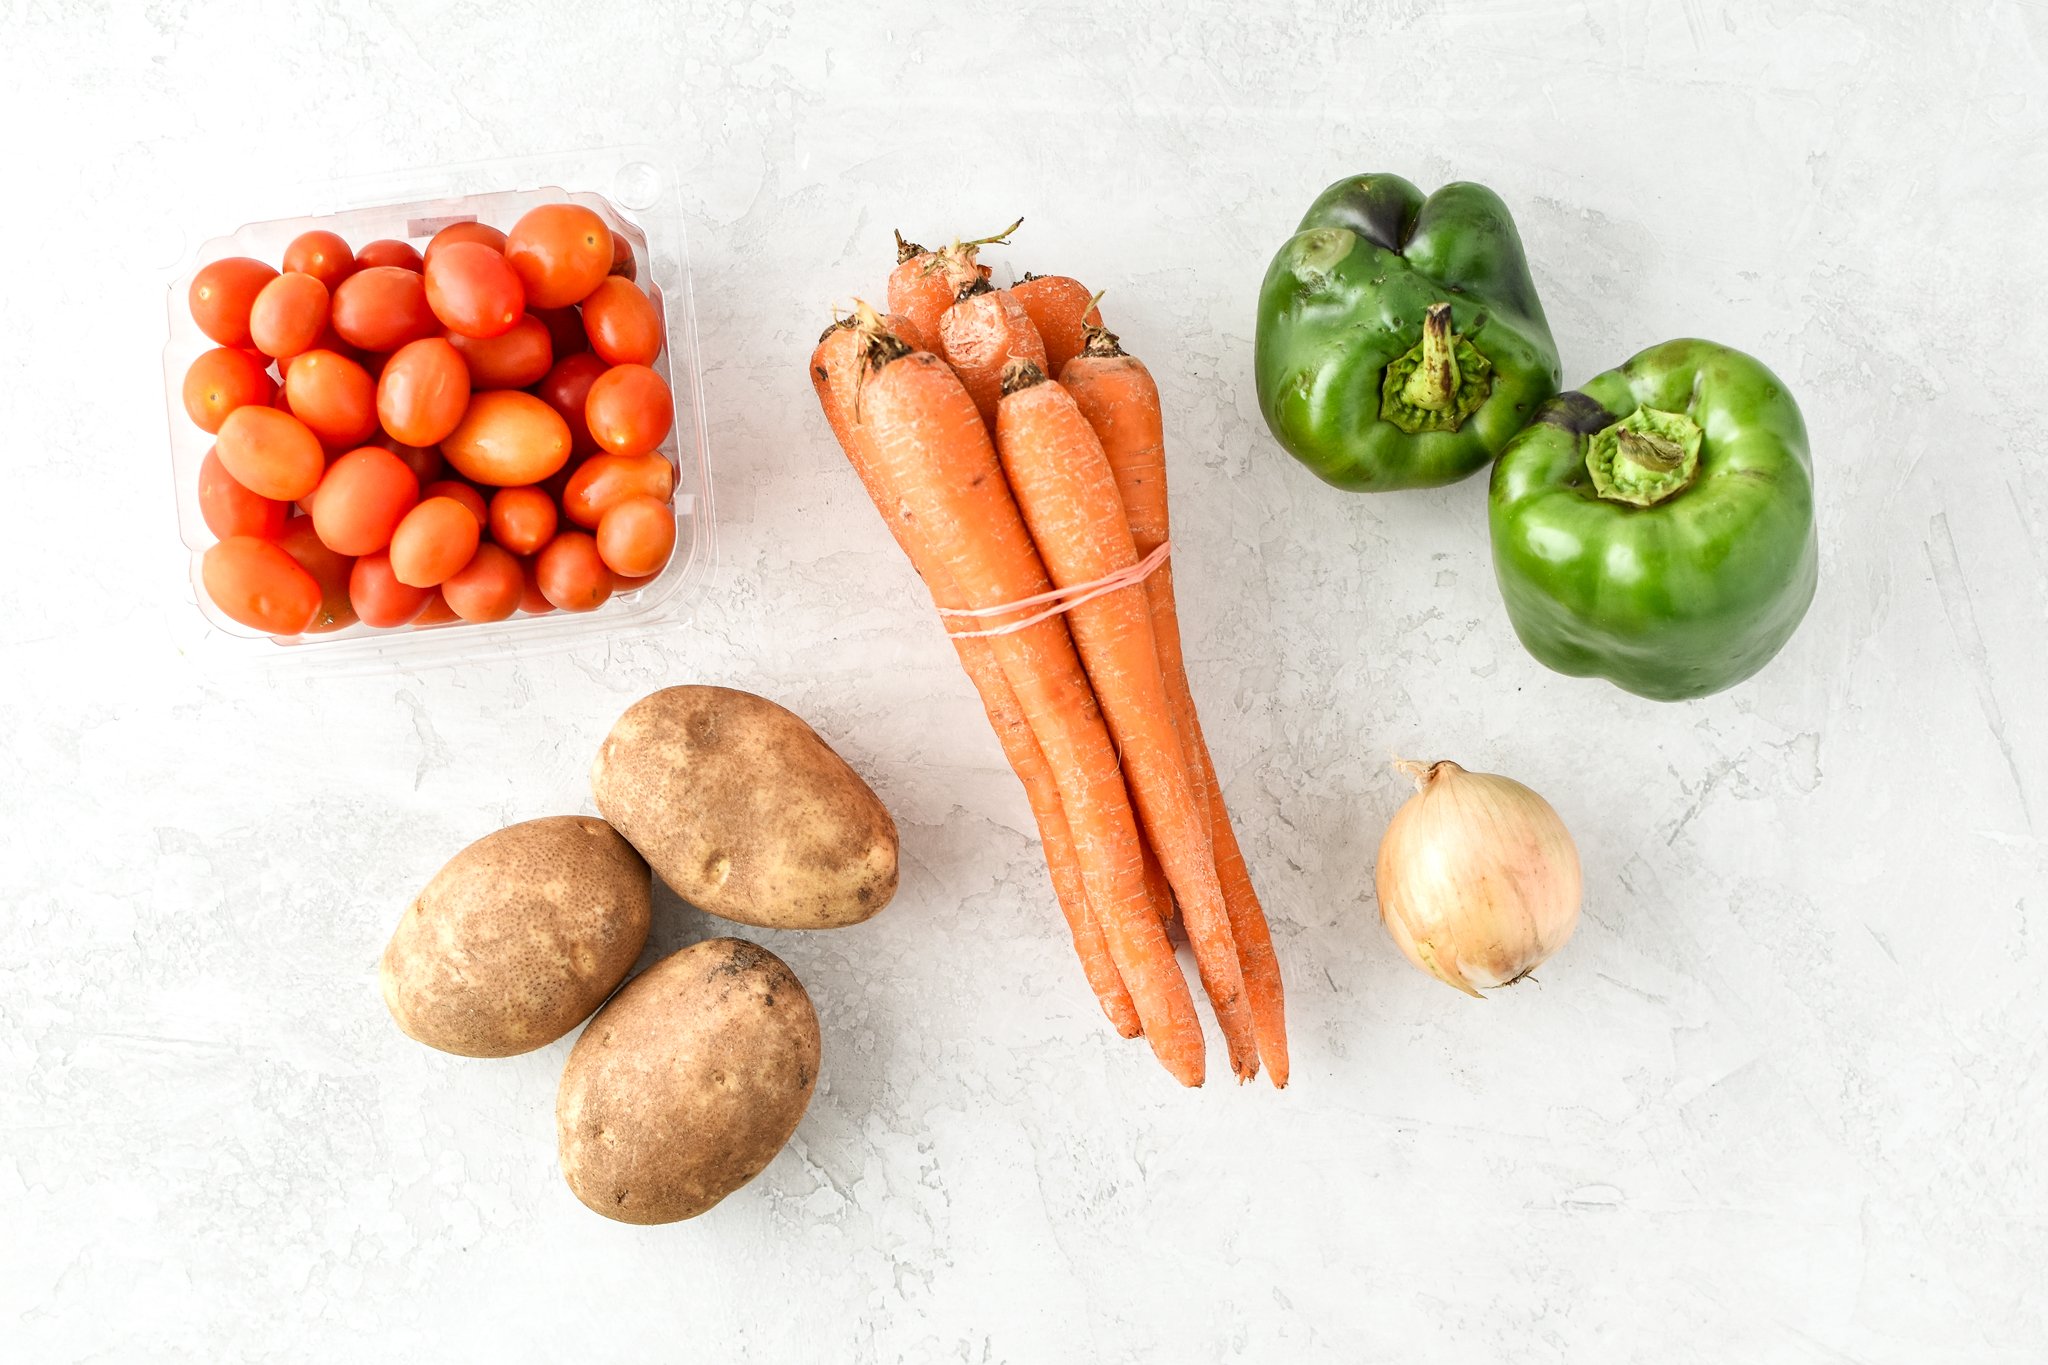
518	938
687	1083
744	811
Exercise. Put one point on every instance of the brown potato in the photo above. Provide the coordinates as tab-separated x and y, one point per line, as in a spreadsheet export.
518	938
739	806
687	1083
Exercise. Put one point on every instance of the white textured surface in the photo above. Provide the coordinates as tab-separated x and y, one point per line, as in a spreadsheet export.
1783	1098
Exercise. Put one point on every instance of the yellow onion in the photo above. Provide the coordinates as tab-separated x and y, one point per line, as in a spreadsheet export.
1478	878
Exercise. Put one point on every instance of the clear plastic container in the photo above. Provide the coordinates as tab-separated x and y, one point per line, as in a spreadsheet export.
638	199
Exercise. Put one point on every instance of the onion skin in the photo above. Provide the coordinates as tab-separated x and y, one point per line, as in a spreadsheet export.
1478	878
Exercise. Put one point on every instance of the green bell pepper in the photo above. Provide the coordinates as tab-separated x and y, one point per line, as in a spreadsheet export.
1400	340
1655	528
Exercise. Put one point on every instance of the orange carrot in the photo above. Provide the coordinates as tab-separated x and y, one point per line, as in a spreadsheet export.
935	468
924	283
1062	309
1063	484
1117	395
835	367
980	334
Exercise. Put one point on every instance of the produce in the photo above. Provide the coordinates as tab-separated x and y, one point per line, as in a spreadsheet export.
687	1083
917	438
1655	528
346	366
1478	878
1061	312
1400	340
742	809
260	585
518	938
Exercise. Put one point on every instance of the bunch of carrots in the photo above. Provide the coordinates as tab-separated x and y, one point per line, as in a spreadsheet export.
1015	450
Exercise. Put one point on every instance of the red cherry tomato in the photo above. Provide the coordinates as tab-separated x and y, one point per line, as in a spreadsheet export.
622	257
437	613
565	329
289	315
532	600
388	251
222	380
361	500
602	482
507	438
258	584
629	410
231	510
465	232
221	295
635	537
623	324
462	493
473	290
323	255
424	461
571	574
329	569
520	357
271	453
380	308
566	389
379	598
433	542
487	588
523	520
423	391
334	396
561	251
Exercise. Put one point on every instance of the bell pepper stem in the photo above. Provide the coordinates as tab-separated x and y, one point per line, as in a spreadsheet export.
1434	385
1646	457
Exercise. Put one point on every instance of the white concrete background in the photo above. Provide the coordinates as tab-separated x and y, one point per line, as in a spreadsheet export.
1781	1100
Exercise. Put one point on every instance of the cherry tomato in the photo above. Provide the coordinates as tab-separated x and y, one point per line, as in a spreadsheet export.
289	315
522	519
487	588
259	585
571	574
507	438
623	324
561	251
379	598
532	600
471	231
334	396
423	391
602	482
635	537
566	389
438	611
629	410
222	293
222	380
270	453
462	493
424	461
565	329
520	357
622	258
329	569
473	290
323	255
435	539
382	307
388	251
232	510
361	499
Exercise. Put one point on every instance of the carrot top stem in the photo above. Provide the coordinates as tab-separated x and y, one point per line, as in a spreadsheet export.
1021	374
1101	342
907	251
973	289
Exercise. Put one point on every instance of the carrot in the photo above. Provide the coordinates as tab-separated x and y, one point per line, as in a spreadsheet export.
1062	309
1063	484
935	467
1117	395
924	283
982	332
835	368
